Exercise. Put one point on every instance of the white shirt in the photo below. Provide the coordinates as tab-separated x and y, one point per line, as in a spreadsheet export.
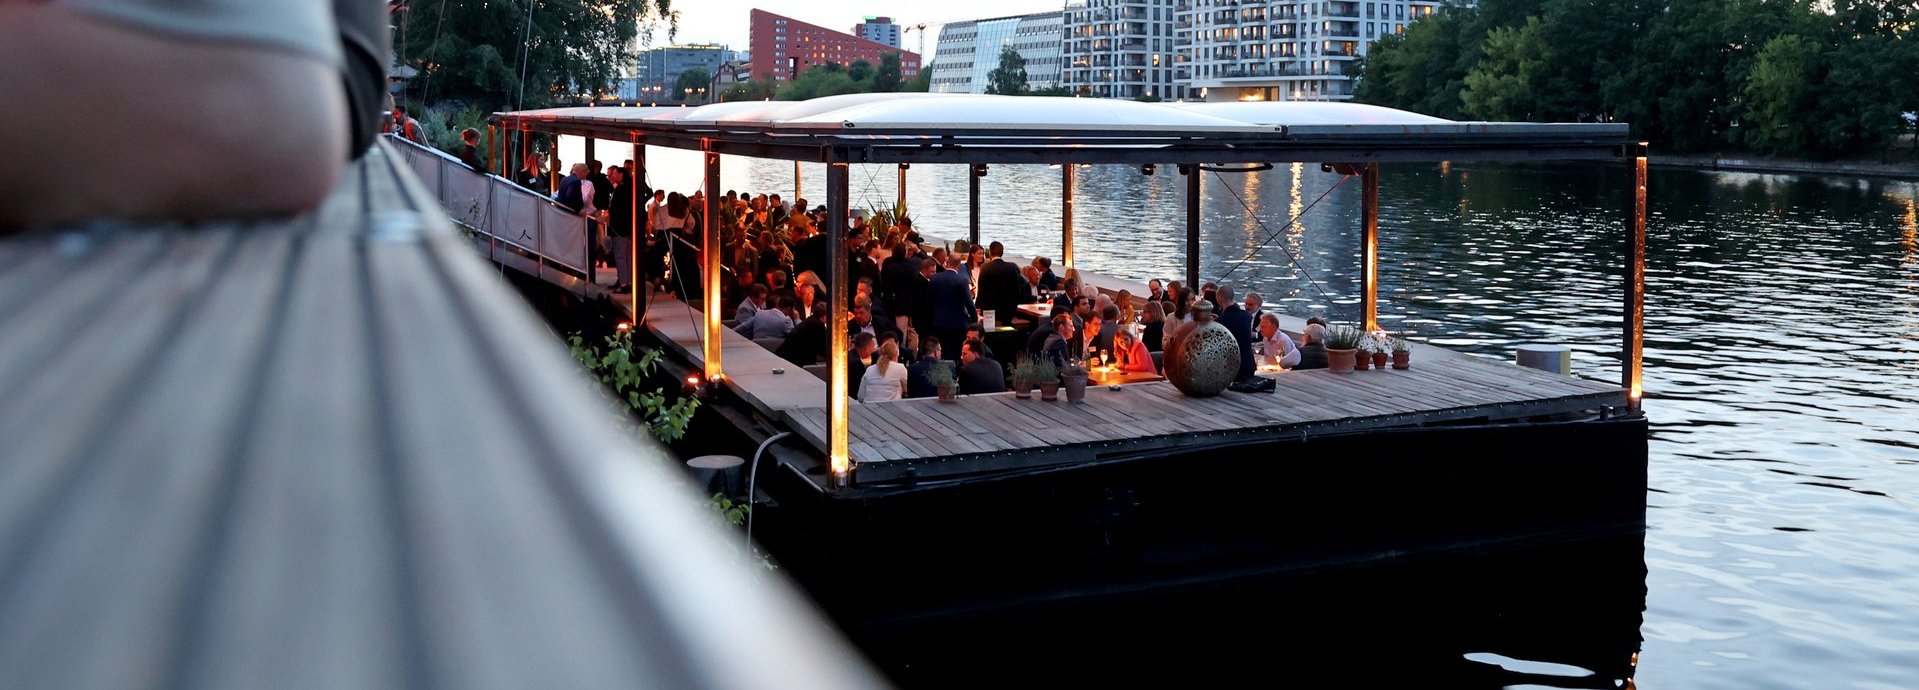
877	387
1281	343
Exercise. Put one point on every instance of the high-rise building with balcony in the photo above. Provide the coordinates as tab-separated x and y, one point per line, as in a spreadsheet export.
1296	51
1119	48
969	50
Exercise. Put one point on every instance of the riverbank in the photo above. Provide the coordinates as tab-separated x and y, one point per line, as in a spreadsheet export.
1903	170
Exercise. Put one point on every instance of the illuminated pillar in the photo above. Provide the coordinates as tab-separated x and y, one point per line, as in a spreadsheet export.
553	167
1369	246
710	251
1633	368
640	223
796	186
837	179
1066	214
1192	226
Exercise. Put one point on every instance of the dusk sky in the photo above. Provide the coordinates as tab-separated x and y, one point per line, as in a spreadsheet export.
724	21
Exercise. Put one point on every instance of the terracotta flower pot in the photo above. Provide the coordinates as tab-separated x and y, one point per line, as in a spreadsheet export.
1022	389
1339	361
1379	360
947	393
1361	360
1075	388
1049	391
1403	359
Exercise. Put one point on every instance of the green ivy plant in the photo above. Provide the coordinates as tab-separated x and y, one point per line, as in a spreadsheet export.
614	364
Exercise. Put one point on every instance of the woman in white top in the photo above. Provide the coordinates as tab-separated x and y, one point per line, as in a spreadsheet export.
886	379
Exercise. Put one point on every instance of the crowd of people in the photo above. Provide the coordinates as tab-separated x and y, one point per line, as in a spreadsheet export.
911	306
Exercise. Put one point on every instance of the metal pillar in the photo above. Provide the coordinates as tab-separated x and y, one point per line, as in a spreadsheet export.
710	251
796	186
1369	246
1192	226
972	203
1632	367
640	224
902	199
837	181
1066	214
593	231
553	167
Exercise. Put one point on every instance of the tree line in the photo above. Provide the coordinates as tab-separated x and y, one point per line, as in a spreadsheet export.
1801	78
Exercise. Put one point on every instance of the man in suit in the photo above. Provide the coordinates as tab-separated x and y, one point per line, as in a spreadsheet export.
862	265
897	274
1000	285
1047	281
619	226
918	294
951	296
1240	323
857	360
979	373
919	384
807	343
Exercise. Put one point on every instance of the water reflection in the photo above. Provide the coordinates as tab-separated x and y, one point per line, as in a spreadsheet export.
1565	617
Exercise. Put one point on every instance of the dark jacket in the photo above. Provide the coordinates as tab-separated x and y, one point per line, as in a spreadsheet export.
1312	356
917	383
855	370
602	190
895	276
620	211
1240	323
569	196
983	375
1059	351
535	180
1152	335
1000	289
920	302
470	155
806	344
952	300
1048	281
857	267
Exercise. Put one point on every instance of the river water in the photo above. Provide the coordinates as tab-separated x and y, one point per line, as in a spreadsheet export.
1782	379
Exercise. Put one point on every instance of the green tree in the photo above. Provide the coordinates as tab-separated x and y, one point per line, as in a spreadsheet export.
1009	78
477	51
1780	91
1051	91
692	84
830	79
861	71
1508	82
1424	69
758	89
887	79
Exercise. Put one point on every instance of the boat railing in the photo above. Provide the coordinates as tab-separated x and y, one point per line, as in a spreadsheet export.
513	220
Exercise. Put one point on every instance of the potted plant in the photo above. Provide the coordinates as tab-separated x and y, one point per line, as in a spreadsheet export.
1046	376
1362	353
1382	348
942	376
1025	373
1402	353
1342	342
1074	378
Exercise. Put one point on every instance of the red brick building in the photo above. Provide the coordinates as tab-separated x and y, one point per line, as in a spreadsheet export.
783	47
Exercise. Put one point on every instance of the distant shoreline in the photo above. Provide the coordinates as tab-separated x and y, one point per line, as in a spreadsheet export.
1908	170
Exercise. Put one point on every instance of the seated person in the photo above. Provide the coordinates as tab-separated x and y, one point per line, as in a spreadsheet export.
235	109
974	332
918	385
1130	354
1312	351
886	378
1059	346
979	373
755	301
1109	325
807	342
1278	347
771	323
1036	342
860	357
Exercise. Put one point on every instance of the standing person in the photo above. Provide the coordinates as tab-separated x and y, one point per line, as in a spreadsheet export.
576	192
952	301
602	198
1000	285
531	175
1047	281
620	227
406	127
1154	292
470	150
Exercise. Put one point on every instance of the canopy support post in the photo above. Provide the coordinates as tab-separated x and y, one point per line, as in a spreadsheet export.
1192	226
640	224
1632	367
839	459
1066	181
901	204
972	202
710	259
592	234
1369	250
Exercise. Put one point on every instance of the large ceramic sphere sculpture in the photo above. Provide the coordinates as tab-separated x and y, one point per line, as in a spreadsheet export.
1205	360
